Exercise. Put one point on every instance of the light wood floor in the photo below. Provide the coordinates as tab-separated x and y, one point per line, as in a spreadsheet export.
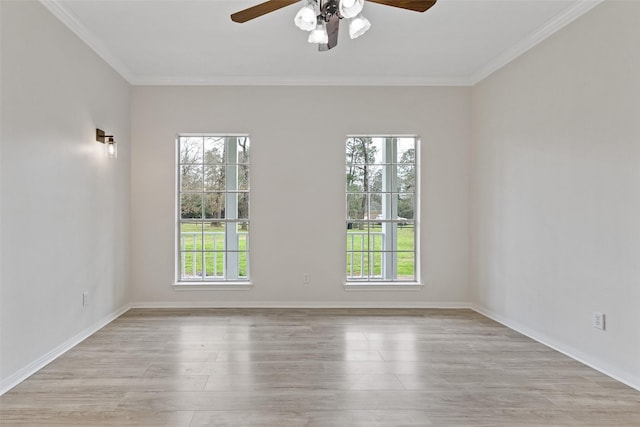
268	367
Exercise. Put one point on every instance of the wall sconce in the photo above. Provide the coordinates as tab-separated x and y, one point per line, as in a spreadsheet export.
111	149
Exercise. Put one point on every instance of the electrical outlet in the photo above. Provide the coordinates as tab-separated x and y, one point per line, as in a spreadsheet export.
598	320
85	299
305	278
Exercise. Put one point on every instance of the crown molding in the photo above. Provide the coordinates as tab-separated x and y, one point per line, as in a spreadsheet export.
573	12
296	81
68	19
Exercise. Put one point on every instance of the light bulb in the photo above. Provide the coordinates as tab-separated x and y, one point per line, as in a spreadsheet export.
306	18
350	8
112	150
319	35
358	26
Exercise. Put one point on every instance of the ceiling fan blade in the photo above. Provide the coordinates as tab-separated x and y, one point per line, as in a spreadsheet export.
260	9
415	5
332	31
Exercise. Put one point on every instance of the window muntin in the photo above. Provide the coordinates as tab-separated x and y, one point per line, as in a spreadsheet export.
381	205
213	208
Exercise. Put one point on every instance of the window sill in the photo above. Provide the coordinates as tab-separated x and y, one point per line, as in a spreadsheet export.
212	286
383	286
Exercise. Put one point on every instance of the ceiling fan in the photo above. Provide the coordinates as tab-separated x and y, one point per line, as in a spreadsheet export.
322	17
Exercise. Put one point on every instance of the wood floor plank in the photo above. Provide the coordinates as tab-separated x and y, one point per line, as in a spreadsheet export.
182	383
303	381
311	419
46	417
315	367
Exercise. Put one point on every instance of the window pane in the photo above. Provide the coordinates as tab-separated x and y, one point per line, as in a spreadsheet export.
355	263
243	227
376	150
190	205
364	150
355	178
406	178
243	177
374	177
356	205
214	150
243	240
190	265
214	178
213	238
381	206
243	264
376	262
376	238
243	205
191	178
214	264
406	205
243	149
406	238
214	205
358	237
376	207
190	236
190	150
406	150
360	150
406	266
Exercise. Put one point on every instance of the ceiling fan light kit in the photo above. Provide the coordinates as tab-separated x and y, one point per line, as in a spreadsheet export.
319	34
306	18
321	18
350	8
358	26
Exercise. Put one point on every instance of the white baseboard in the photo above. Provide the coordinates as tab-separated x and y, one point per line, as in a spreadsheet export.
599	365
33	367
299	304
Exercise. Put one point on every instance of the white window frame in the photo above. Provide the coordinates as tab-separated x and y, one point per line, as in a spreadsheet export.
389	222
230	221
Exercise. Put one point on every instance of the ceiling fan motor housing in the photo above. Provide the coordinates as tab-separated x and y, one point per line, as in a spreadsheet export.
329	9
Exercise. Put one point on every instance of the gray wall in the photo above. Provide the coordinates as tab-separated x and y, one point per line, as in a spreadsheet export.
65	207
298	182
556	190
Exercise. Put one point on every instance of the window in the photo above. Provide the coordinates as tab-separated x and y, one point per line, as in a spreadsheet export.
213	208
381	207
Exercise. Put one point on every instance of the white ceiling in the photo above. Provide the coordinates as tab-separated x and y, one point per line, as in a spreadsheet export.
457	42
